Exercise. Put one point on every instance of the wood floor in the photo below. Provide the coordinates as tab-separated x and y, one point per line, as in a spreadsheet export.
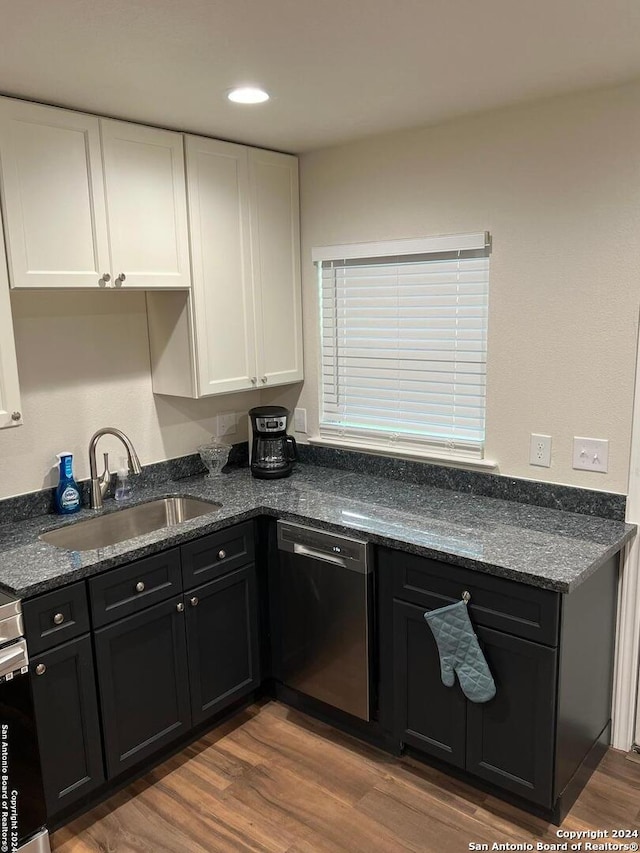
275	780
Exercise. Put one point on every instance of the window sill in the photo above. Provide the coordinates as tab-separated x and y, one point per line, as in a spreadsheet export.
404	453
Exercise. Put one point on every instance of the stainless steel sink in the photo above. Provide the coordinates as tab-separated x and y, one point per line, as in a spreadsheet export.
123	524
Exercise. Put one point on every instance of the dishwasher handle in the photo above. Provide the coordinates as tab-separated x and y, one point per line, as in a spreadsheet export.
324	546
305	551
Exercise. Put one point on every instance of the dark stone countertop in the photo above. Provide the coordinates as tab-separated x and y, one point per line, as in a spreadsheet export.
542	547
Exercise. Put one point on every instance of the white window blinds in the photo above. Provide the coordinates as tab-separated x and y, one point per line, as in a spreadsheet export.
404	346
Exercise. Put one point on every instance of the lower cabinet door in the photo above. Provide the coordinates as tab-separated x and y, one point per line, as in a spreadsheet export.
144	689
222	636
66	709
510	739
429	716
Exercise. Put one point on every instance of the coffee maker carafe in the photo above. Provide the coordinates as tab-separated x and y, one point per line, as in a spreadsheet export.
273	452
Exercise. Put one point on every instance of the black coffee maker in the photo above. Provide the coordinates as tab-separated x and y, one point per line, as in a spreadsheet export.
273	452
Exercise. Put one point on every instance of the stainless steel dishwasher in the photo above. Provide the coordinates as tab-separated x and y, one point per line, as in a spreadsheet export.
322	606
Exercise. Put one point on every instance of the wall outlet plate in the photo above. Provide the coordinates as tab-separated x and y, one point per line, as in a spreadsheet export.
226	423
591	454
540	450
300	420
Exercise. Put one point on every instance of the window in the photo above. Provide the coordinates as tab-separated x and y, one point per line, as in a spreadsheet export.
404	342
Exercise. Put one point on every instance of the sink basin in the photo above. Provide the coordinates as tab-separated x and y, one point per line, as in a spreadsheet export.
128	523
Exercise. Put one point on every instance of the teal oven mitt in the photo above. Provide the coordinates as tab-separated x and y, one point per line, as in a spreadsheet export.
460	652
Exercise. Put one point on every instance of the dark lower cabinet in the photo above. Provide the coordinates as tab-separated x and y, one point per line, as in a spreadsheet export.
143	682
429	716
222	640
66	709
511	739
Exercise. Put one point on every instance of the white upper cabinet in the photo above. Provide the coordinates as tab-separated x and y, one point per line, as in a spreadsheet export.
218	186
91	202
241	326
275	243
10	414
146	205
53	196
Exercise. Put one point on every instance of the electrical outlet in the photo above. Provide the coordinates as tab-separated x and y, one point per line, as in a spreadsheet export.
591	454
300	420
540	450
226	423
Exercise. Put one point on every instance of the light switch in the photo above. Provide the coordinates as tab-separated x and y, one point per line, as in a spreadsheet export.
591	454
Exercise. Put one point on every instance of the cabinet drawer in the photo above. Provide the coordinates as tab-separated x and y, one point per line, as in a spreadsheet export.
121	592
56	617
215	555
516	608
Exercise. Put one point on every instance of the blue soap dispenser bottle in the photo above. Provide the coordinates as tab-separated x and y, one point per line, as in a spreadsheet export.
67	498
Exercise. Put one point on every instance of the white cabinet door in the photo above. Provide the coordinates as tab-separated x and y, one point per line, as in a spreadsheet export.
218	190
241	326
53	196
10	414
146	206
275	244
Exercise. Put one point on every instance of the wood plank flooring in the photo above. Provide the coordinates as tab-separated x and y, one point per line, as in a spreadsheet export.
275	780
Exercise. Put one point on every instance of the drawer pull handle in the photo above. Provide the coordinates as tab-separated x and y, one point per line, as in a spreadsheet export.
194	601
140	586
58	619
466	596
180	607
41	669
222	554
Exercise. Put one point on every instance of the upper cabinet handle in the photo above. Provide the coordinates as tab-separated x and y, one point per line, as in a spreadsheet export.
120	279
106	278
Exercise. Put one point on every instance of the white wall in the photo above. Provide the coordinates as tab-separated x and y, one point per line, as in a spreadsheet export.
557	183
83	359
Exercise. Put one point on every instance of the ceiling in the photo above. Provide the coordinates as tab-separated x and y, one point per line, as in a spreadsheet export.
337	69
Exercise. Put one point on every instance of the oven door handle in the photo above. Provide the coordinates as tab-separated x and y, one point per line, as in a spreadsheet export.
304	551
14	657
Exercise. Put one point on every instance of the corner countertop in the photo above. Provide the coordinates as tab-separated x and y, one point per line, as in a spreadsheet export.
541	547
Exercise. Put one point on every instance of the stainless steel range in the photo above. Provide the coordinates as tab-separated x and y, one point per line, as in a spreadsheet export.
22	805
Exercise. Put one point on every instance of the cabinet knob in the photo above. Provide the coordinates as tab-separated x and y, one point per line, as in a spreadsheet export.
222	554
254	379
140	586
58	619
180	607
41	669
264	380
120	279
194	601
106	278
466	596
16	416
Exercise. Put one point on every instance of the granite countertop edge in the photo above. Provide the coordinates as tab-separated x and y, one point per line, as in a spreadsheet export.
21	548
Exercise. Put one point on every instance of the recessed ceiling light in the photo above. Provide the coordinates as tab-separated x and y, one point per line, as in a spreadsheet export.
248	95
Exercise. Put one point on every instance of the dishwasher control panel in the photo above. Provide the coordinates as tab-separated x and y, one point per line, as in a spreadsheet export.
300	539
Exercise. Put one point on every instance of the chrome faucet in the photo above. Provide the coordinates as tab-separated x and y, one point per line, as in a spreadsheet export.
99	485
